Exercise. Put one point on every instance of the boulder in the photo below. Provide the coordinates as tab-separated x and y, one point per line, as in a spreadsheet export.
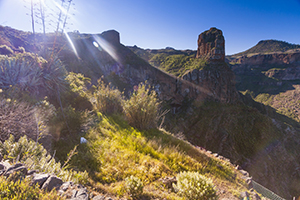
4	165
52	182
81	194
39	179
18	167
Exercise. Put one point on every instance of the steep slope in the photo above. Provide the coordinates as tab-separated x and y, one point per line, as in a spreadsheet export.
254	137
268	77
228	127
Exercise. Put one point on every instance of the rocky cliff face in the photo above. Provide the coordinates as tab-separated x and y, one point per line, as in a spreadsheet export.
288	64
216	76
215	83
211	45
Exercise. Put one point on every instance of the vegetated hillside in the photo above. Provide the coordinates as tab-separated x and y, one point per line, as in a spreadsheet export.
115	151
237	131
117	156
273	75
269	46
175	62
125	69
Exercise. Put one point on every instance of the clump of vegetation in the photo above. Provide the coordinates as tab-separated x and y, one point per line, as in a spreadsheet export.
134	186
14	190
142	108
65	122
32	74
21	118
34	156
106	99
193	186
5	50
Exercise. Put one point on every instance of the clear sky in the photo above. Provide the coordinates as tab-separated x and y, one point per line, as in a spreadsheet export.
158	24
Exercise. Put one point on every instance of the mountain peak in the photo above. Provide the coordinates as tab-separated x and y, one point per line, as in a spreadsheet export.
268	46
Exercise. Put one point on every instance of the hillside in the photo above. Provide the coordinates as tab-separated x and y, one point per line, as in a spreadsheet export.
254	74
269	46
204	109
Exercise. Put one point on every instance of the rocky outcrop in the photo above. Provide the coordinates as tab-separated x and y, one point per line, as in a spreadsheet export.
287	58
131	70
218	78
111	36
47	182
211	45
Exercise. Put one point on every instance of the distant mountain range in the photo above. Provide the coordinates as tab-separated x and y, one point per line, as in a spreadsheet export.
269	46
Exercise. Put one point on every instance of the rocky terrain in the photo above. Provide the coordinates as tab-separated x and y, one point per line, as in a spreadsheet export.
199	89
229	129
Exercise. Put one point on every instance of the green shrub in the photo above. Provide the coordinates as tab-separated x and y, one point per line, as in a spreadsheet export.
68	121
142	108
34	156
15	190
106	99
32	73
78	83
193	185
77	93
134	186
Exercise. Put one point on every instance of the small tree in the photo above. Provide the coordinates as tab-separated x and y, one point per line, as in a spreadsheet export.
106	99
142	108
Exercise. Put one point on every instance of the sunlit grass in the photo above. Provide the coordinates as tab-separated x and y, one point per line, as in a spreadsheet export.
116	151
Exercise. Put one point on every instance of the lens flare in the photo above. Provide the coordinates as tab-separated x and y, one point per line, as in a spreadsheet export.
106	46
71	43
96	44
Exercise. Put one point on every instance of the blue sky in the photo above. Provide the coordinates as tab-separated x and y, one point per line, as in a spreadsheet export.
175	23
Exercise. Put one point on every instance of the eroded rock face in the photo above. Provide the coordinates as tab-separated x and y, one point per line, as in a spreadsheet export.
211	45
217	78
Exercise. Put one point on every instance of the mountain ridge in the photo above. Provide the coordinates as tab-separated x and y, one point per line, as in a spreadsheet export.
268	46
219	129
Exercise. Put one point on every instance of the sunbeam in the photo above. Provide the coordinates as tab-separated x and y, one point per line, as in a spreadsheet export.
106	47
71	43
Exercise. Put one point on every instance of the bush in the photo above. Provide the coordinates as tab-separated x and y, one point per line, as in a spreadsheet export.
141	109
32	73
66	121
193	185
77	93
34	156
134	186
106	99
17	119
14	190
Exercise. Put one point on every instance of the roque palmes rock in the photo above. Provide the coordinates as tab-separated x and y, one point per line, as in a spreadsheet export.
211	45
